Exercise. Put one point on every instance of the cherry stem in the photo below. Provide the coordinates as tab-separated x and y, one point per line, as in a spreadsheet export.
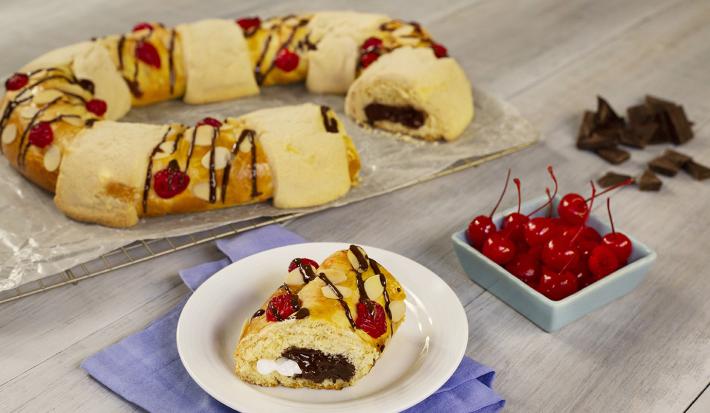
516	181
613	187
611	220
581	228
502	194
549	198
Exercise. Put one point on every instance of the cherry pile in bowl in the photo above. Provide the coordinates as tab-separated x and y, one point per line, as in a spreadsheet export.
555	253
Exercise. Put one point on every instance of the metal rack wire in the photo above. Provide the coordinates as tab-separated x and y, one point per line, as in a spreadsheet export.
145	250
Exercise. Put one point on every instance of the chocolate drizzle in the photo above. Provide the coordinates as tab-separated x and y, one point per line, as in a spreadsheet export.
258	313
149	170
306	270
383	280
119	51
317	366
22	153
405	115
213	174
246	134
342	302
261	76
301	314
11	105
330	124
171	63
361	260
192	145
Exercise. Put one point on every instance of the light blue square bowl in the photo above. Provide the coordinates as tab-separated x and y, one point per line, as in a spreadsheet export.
548	314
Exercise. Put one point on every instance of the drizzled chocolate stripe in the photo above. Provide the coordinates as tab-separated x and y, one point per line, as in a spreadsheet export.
22	153
258	313
306	271
119	51
260	60
361	261
330	124
149	170
213	174
340	299
246	134
383	280
261	76
192	146
171	63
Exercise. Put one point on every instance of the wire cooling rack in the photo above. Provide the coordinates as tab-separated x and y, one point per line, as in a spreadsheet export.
146	250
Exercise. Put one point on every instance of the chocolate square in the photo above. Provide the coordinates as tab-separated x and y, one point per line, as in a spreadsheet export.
649	181
674	122
606	116
632	138
696	170
663	166
640	115
611	179
614	156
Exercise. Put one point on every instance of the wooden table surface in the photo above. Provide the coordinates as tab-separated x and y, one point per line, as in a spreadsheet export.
649	351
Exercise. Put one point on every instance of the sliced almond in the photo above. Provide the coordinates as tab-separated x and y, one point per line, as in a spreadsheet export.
28	112
335	275
329	293
221	158
75	89
46	96
202	191
294	277
9	134
405	30
354	261
408	41
373	287
74	120
397	309
204	135
52	158
167	147
245	146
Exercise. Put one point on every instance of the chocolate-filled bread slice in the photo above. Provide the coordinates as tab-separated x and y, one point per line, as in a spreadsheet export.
325	327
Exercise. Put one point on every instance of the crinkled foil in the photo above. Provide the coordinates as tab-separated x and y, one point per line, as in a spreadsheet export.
37	240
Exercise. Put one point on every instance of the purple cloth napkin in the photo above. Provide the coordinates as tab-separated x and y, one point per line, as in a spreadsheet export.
145	368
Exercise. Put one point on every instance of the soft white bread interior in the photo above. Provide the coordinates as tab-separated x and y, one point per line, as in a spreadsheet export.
103	172
331	66
309	165
217	61
415	78
89	60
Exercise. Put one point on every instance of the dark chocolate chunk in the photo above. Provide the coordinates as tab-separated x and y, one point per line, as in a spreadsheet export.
587	126
677	158
663	166
696	170
672	118
649	181
611	179
596	141
606	116
640	115
318	366
614	156
630	137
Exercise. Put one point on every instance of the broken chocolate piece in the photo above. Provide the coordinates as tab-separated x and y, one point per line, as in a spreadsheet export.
677	158
649	181
672	118
596	141
606	117
663	166
614	156
640	115
587	126
696	170
630	137
611	179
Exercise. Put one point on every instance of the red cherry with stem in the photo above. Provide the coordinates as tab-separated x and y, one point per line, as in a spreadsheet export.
602	261
482	226
525	267
282	306
148	54
499	248
439	50
558	253
540	230
41	134
170	181
368	58
210	121
286	60
557	285
371	44
513	224
97	106
547	191
619	243
142	26
249	24
17	81
371	318
572	209
304	261
613	187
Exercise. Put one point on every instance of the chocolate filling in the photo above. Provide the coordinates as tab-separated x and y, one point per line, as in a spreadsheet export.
318	366
404	115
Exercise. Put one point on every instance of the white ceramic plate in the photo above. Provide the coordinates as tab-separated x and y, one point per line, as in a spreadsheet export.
423	354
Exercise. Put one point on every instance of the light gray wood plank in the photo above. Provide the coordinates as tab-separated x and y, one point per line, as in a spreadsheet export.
648	351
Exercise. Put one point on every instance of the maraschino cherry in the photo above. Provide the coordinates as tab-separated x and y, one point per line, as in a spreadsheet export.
539	230
97	106
499	248
619	243
17	81
514	223
439	50
602	261
142	26
170	181
482	226
210	121
526	266
148	54
249	24
557	286
286	60
41	134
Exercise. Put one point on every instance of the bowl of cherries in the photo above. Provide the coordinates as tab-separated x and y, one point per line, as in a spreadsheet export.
549	258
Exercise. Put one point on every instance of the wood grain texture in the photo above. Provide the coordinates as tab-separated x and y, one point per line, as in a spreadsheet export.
649	351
